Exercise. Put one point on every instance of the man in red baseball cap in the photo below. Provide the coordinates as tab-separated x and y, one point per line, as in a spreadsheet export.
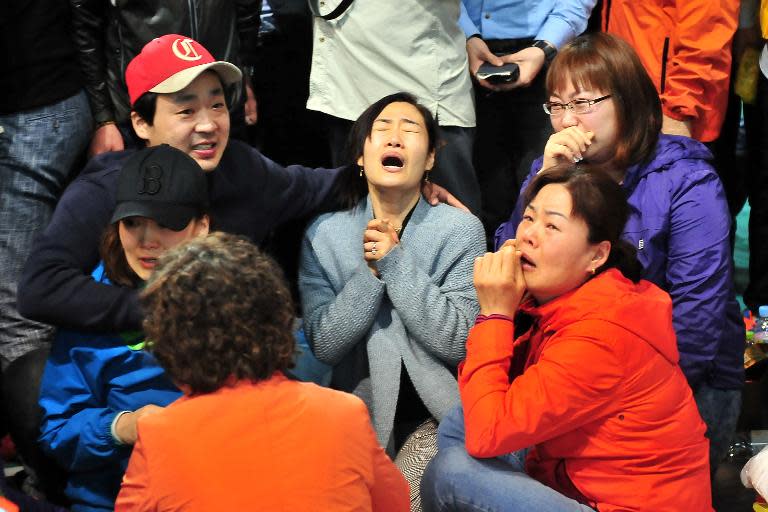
176	90
174	74
170	63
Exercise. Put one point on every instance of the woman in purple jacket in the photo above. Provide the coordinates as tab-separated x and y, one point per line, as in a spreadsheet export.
605	111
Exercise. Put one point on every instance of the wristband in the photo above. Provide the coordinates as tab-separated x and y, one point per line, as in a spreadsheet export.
548	48
113	429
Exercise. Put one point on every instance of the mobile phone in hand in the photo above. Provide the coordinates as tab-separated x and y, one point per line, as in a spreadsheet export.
504	74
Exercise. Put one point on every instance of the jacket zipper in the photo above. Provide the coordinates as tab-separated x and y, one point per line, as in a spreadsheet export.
192	20
664	55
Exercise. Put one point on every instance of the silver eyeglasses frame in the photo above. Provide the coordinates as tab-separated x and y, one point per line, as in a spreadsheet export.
577	106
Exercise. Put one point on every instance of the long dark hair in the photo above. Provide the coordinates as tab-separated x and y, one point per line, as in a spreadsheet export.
607	63
350	187
116	267
601	203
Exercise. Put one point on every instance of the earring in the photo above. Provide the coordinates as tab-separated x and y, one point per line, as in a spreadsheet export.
426	176
592	271
361	171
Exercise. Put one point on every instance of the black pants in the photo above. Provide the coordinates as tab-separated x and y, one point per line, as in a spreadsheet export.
512	129
21	390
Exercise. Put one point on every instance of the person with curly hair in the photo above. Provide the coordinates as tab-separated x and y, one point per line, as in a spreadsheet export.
96	386
220	317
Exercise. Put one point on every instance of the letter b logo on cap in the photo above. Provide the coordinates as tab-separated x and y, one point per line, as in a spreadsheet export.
184	49
150	179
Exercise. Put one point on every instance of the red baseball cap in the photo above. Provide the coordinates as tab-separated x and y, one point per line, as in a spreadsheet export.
170	63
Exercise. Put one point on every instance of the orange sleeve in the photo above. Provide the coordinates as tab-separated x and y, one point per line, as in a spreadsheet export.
390	490
699	67
135	491
571	384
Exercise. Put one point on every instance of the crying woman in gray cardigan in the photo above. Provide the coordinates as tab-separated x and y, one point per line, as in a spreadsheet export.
411	313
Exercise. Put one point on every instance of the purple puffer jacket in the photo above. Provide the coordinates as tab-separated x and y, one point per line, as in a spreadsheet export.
679	223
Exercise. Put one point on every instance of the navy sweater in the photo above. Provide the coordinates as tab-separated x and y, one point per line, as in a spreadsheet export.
250	195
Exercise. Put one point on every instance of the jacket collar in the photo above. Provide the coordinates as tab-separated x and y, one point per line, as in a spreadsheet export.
669	149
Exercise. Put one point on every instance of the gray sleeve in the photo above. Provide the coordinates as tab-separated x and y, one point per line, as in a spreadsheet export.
438	315
334	323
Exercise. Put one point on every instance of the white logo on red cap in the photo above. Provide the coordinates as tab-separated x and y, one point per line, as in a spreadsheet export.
184	50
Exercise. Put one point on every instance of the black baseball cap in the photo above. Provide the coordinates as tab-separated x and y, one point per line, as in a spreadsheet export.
163	184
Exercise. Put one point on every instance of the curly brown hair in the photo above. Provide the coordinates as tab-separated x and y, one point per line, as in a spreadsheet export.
217	308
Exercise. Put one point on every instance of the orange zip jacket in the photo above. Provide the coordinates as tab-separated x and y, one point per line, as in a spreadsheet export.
601	400
685	45
272	445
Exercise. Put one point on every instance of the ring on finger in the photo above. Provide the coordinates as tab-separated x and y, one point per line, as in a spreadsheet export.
373	248
374	251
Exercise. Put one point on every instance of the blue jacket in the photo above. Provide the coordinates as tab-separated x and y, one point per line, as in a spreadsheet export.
88	379
680	224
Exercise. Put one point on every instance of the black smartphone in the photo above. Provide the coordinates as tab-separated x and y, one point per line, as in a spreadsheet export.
504	74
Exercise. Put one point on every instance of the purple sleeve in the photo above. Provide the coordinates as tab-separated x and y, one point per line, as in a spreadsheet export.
698	272
508	229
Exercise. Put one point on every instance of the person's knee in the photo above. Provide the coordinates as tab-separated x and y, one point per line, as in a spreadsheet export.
451	429
21	389
438	481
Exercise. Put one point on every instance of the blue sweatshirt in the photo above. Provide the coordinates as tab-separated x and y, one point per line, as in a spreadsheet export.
88	379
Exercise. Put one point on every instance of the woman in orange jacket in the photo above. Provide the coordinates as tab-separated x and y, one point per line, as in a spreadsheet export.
571	391
243	436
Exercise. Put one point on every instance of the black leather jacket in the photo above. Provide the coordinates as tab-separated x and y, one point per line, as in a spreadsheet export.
109	33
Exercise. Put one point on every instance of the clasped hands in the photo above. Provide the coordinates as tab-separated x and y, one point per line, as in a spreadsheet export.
378	239
499	280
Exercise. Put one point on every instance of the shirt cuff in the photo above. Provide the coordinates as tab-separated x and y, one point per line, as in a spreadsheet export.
112	429
495	316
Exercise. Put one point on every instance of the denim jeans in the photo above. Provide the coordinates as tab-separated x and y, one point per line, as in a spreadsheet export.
719	408
455	480
37	150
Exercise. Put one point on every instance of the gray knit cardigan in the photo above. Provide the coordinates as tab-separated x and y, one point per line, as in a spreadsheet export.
418	311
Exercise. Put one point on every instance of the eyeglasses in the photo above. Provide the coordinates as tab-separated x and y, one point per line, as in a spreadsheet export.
576	106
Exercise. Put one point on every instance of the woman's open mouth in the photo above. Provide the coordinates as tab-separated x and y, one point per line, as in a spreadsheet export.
392	163
526	263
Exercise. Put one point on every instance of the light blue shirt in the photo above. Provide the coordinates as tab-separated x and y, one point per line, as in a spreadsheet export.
555	21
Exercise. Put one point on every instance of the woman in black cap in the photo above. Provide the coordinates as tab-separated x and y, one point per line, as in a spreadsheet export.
96	386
